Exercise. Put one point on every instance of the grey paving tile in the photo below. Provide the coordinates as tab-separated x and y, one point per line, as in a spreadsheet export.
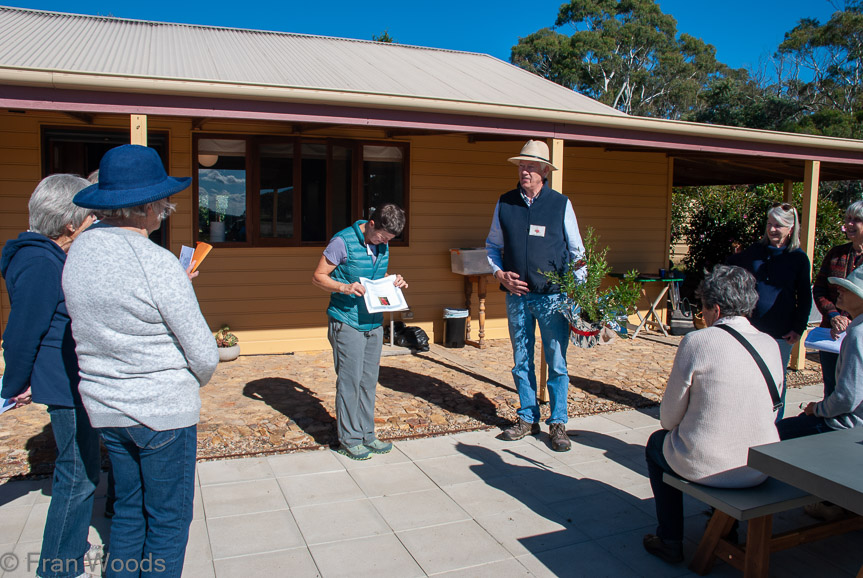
504	568
225	471
636	418
602	514
14	494
320	489
452	546
391	479
295	562
35	525
303	463
374	556
199	558
243	498
422	449
457	469
616	474
393	457
253	534
12	522
419	509
339	521
545	530
21	560
583	449
481	498
594	423
586	559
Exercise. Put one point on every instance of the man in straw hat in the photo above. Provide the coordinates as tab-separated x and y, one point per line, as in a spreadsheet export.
843	408
534	229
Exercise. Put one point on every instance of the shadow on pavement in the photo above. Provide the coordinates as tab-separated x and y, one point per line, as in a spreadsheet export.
296	402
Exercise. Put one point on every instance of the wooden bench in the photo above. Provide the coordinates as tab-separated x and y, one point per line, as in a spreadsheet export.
757	505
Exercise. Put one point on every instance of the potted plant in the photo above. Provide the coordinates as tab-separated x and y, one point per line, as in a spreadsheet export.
229	346
587	306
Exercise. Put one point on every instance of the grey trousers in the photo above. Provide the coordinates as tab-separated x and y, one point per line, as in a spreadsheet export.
357	358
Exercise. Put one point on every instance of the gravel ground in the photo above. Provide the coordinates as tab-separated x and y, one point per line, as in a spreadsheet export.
282	403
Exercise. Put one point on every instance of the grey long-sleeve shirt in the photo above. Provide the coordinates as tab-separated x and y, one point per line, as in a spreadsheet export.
843	408
143	346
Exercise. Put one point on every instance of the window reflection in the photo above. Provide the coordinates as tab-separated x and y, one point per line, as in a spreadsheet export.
221	190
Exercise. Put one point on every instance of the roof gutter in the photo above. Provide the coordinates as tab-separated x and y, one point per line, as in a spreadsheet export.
148	85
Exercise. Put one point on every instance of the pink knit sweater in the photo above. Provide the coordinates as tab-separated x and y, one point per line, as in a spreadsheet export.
717	405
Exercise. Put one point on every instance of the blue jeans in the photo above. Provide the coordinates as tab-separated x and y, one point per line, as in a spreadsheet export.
524	313
667	499
76	474
801	426
154	473
828	371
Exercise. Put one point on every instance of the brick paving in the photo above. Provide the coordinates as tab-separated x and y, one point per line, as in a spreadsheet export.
268	404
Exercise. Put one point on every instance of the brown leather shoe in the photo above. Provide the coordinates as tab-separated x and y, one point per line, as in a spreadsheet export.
670	551
518	431
559	440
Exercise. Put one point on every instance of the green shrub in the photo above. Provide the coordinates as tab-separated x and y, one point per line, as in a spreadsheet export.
713	220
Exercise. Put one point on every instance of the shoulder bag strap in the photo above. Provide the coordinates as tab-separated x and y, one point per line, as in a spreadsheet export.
771	385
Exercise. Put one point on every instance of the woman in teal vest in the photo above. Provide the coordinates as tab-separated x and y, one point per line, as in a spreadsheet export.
356	335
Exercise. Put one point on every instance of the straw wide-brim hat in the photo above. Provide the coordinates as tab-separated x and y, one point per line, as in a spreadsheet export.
534	150
129	176
853	283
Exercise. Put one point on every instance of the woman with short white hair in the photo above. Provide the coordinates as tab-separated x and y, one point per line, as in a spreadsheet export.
41	365
781	273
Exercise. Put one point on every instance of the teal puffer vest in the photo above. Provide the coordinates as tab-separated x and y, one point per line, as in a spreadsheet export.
351	309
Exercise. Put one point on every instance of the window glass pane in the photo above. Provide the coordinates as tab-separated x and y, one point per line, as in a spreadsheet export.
314	192
383	176
277	191
221	190
342	176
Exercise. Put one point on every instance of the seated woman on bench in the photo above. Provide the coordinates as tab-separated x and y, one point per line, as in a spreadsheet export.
717	404
843	407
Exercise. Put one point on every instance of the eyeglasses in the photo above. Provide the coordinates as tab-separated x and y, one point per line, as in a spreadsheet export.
785	206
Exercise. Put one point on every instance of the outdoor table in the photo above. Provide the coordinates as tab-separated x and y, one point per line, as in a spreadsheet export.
826	465
481	284
669	282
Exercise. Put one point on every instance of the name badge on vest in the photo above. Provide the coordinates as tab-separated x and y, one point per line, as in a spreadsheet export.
537	230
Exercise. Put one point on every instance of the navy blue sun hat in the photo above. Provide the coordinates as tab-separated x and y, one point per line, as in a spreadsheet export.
130	175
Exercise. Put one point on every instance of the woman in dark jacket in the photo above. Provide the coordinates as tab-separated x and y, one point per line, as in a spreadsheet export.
41	365
839	262
781	270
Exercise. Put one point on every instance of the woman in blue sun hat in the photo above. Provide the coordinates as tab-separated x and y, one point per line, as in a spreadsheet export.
144	350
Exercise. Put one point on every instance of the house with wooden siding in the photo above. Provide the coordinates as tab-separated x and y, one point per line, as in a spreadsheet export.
289	138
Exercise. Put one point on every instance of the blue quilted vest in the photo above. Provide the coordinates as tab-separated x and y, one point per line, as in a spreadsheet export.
528	254
351	309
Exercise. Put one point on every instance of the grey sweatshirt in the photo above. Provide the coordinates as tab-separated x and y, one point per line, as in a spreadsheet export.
143	345
843	408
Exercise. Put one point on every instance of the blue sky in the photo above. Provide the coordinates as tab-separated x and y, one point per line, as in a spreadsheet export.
743	31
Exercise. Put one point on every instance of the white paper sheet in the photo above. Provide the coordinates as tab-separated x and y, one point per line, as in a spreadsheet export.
819	339
381	295
186	256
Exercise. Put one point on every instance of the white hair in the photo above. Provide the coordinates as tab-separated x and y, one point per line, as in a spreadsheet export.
787	218
51	208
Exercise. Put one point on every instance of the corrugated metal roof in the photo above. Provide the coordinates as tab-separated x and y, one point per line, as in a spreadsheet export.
51	41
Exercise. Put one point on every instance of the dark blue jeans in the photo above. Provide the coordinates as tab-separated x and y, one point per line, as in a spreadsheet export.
154	472
801	426
668	500
76	474
828	370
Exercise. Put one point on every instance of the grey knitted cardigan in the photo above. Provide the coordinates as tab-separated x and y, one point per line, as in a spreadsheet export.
143	346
